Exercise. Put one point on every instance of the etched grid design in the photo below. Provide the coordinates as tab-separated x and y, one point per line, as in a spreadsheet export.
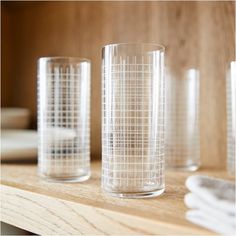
182	122
63	123
231	122
133	126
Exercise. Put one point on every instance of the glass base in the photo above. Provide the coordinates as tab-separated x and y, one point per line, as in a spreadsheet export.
192	167
231	172
149	194
72	179
231	166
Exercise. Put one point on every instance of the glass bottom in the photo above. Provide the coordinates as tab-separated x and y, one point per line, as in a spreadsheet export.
192	167
149	194
70	179
231	171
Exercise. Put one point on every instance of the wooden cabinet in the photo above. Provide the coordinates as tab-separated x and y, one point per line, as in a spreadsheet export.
195	34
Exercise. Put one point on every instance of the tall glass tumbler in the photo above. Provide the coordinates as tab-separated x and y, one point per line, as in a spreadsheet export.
182	120
231	118
64	118
133	120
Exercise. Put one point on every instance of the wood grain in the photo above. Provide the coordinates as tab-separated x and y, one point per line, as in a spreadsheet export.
196	34
49	208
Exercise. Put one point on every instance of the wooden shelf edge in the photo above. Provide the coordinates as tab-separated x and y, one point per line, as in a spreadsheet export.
46	215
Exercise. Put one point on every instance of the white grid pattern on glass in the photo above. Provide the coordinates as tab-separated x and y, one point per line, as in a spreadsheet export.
63	122
182	121
133	126
231	118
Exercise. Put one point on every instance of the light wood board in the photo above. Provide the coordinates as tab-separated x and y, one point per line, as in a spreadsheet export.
48	208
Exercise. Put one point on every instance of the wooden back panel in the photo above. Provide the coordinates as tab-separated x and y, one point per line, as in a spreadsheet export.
196	34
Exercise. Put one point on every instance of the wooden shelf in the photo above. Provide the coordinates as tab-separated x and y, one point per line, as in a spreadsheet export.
83	209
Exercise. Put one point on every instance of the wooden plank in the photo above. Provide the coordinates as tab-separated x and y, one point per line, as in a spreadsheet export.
82	208
46	216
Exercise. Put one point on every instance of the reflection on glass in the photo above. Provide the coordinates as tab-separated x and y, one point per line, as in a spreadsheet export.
182	120
231	118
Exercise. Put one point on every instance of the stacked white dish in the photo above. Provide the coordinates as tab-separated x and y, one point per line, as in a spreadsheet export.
16	141
15	118
20	143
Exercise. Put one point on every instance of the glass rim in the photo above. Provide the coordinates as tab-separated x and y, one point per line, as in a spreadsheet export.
66	58
158	46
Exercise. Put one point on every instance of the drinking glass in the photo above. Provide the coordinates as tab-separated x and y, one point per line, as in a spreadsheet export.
182	120
133	120
231	118
63	118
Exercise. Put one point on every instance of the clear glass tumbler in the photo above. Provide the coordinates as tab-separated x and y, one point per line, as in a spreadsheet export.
133	120
231	118
64	118
182	120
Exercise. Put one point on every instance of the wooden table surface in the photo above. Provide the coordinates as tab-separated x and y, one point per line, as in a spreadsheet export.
47	208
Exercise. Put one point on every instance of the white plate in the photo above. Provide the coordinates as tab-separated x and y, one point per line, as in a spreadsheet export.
23	144
15	118
19	144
